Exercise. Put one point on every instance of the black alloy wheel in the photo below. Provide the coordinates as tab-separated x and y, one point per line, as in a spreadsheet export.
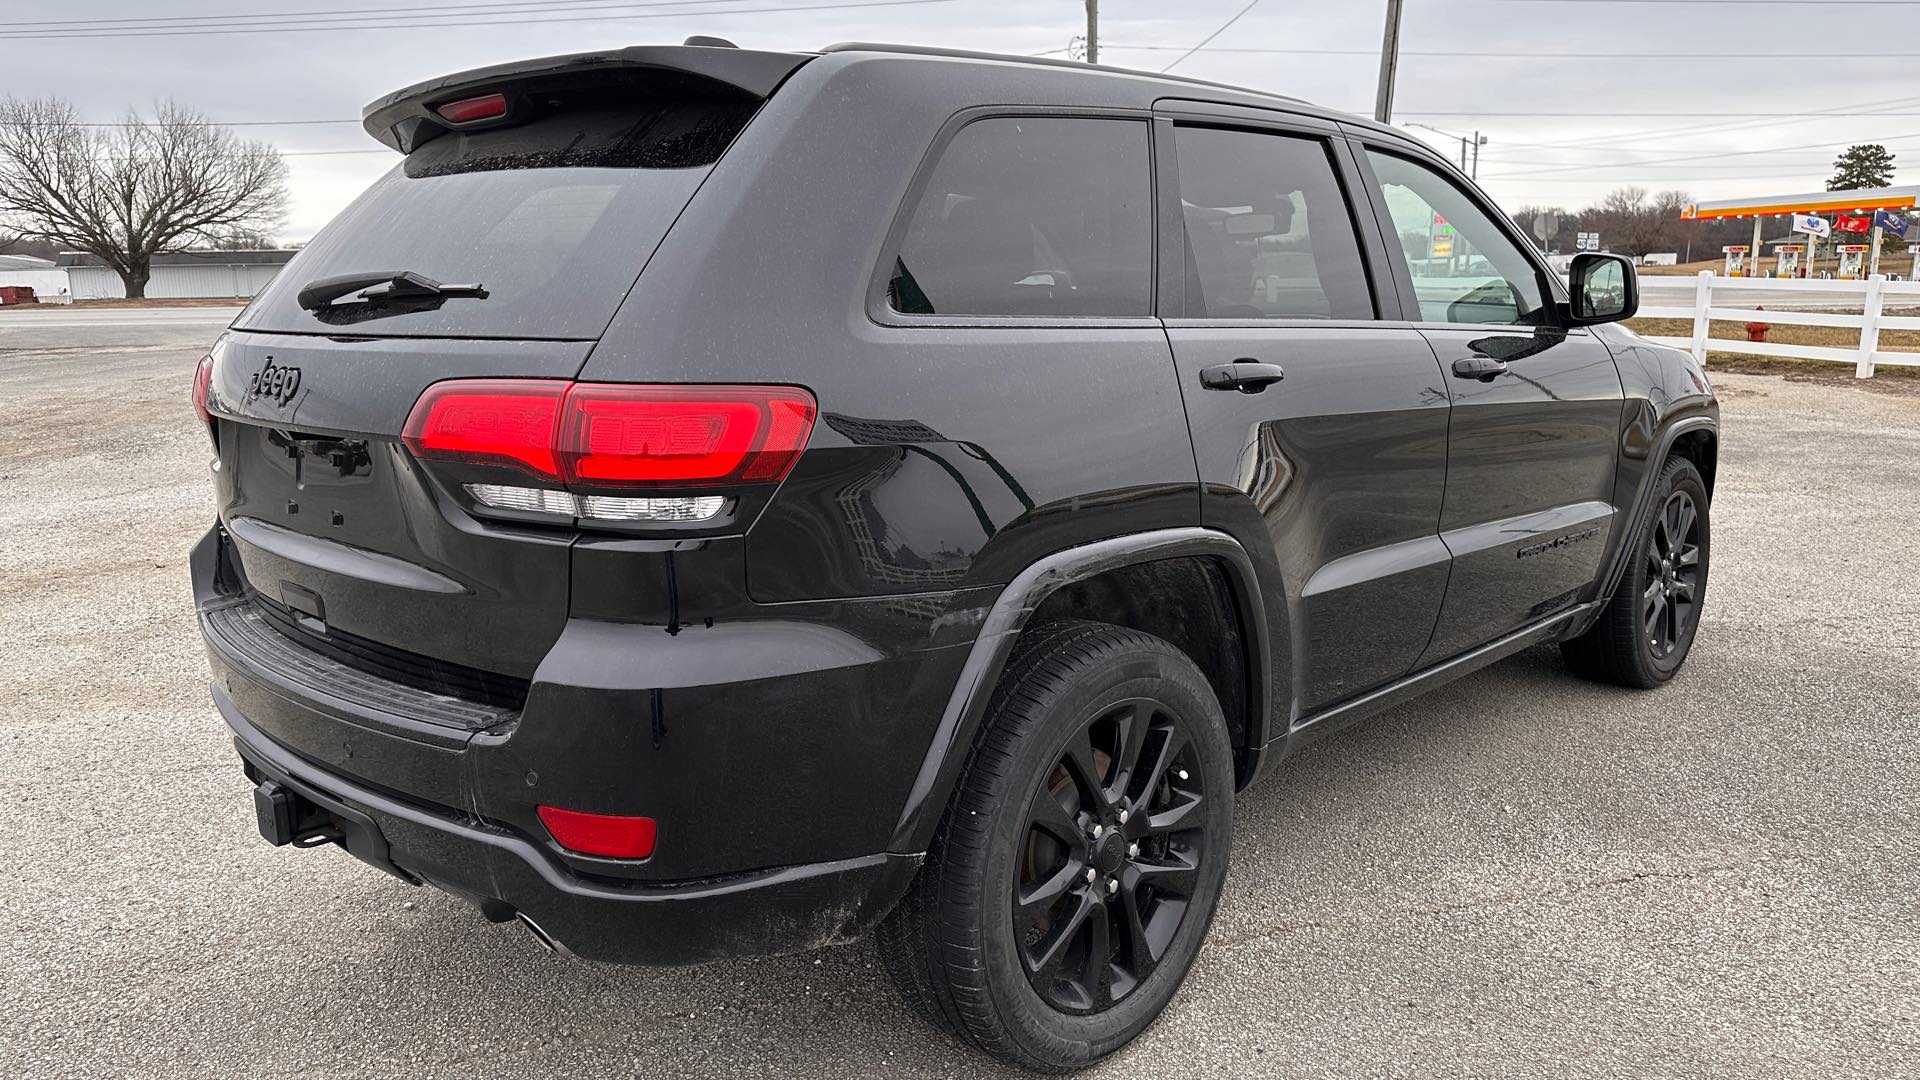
1114	844
1673	575
1070	884
1648	626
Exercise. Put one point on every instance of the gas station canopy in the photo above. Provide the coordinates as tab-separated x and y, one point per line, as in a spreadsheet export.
1859	199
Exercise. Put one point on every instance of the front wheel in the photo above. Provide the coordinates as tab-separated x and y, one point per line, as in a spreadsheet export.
1649	625
1075	874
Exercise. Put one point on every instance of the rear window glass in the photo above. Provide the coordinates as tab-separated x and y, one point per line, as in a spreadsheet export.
1268	232
1033	216
553	216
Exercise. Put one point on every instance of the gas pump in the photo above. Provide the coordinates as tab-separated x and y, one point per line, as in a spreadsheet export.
1787	260
1852	257
1736	259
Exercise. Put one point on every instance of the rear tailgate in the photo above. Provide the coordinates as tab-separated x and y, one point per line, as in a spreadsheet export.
334	522
547	207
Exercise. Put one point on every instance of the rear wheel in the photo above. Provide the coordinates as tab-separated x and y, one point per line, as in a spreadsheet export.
1650	623
1073	879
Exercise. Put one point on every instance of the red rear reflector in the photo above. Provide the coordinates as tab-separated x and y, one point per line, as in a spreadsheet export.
506	422
616	435
600	834
467	110
202	383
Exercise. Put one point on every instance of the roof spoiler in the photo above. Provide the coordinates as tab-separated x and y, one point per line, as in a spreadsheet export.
405	119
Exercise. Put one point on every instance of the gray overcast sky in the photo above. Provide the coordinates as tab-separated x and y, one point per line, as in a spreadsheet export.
1467	64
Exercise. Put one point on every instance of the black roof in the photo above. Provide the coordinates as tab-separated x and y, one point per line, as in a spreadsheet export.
191	258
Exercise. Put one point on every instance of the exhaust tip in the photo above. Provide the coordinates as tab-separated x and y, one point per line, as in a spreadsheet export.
545	939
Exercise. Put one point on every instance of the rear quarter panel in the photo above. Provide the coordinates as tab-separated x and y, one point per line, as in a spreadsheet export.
946	457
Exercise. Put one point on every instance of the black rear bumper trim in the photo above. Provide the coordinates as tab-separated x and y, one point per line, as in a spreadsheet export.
780	910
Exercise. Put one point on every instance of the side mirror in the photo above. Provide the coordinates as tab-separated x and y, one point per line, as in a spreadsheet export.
1605	289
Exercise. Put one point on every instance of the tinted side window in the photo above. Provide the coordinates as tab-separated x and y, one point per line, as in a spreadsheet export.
1465	270
1269	235
1033	216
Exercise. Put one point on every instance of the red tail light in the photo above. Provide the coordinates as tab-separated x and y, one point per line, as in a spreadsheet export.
506	422
605	835
202	383
616	435
467	110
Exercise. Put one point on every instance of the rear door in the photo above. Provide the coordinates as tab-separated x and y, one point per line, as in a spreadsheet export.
1537	405
1332	475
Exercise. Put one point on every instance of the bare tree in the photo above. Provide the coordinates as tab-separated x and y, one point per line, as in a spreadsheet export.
128	192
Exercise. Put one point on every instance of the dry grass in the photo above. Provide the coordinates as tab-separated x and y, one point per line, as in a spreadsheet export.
188	301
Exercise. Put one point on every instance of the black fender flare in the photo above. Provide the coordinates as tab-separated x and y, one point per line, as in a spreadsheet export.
1643	504
967	706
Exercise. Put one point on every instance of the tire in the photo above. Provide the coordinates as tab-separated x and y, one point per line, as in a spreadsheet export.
1085	711
1650	622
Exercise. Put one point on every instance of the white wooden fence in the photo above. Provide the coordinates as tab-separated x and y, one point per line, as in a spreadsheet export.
1870	321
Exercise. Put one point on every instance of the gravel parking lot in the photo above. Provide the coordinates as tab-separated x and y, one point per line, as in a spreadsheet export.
1520	875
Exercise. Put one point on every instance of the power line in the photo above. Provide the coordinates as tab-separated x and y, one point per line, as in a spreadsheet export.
1781	3
1698	157
342	12
1210	37
278	28
1632	115
1479	55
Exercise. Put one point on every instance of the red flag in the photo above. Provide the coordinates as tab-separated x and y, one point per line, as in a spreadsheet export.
1848	223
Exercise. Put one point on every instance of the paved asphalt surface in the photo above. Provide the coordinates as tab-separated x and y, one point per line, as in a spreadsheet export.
1519	875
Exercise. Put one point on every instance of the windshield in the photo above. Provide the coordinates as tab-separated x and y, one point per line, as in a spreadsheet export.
554	217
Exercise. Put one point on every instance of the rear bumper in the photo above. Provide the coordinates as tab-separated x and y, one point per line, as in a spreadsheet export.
782	910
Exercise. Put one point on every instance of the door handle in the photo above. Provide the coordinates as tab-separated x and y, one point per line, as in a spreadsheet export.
1479	367
1244	375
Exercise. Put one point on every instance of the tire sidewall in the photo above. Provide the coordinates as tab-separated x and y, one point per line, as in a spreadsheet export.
1171	680
1679	475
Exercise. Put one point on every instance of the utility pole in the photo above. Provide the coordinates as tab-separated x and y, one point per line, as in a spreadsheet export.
1479	141
1389	64
1093	31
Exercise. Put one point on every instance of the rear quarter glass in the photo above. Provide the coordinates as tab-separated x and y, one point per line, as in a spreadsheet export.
554	214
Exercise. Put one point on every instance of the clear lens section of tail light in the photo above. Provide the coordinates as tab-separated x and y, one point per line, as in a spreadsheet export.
677	508
530	500
598	507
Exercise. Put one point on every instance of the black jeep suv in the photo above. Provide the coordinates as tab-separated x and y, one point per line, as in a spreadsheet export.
706	502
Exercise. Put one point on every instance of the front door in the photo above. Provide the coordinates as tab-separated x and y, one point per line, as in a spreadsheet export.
1319	431
1536	408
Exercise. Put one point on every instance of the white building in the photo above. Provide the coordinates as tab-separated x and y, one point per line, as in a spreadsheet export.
48	282
181	274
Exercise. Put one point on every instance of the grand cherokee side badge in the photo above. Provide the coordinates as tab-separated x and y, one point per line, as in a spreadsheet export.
274	381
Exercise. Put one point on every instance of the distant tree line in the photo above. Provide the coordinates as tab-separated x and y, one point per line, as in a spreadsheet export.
1634	221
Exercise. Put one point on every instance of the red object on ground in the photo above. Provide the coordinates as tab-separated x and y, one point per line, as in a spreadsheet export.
1757	331
17	294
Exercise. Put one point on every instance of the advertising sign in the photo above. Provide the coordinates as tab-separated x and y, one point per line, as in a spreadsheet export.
1735	249
1811	224
1890	221
1791	249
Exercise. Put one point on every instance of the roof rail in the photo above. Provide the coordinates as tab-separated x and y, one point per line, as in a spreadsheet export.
1047	61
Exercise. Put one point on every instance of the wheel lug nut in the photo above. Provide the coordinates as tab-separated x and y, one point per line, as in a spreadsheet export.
1183	774
1098	831
1123	815
1133	851
1091	875
1113	886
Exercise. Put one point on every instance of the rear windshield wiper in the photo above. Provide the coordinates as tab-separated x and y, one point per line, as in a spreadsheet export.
377	285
